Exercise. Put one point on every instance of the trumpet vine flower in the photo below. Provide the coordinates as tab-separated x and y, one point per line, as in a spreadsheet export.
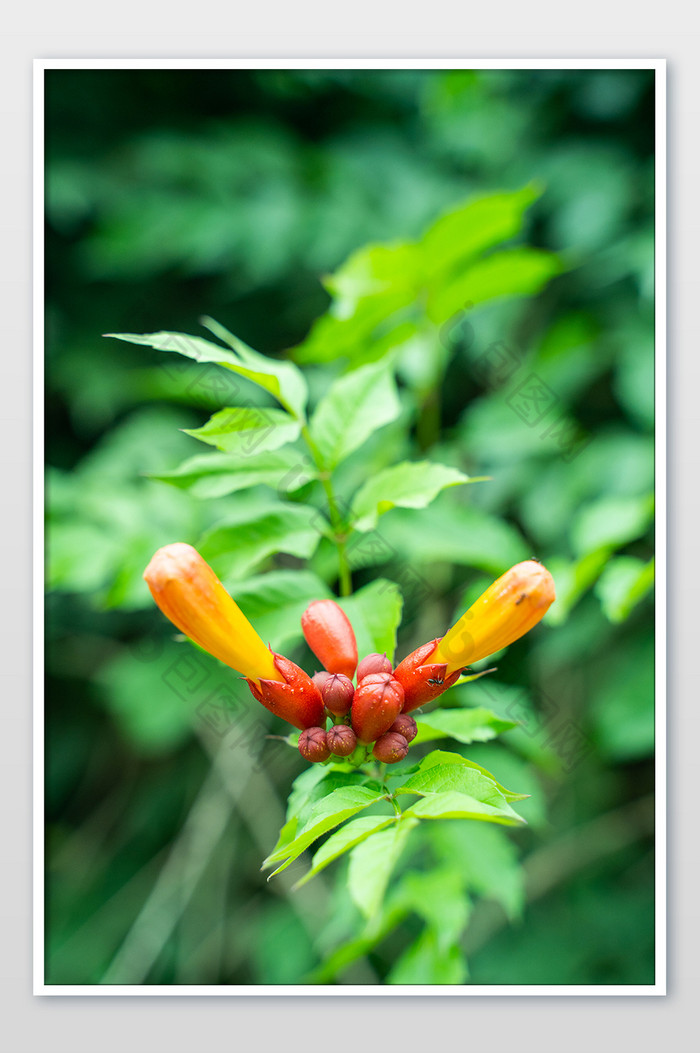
509	608
189	593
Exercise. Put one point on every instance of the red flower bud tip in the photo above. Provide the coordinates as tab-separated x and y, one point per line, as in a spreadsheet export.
319	679
337	692
329	634
313	746
390	748
296	699
376	705
373	663
341	740
421	679
406	726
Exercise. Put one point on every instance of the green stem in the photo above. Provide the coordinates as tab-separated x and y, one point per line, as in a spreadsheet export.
394	804
337	525
429	424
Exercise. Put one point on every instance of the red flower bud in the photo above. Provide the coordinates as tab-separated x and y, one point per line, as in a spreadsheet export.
337	692
296	699
406	726
328	632
373	663
319	679
313	746
341	740
422	681
376	705
390	748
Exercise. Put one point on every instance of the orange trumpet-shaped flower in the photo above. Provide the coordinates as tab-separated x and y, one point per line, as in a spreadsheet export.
189	593
509	608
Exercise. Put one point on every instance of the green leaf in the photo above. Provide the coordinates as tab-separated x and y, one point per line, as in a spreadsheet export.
426	962
435	895
622	585
274	603
372	291
530	738
368	334
372	270
438	895
146	700
282	379
287	834
317	782
503	764
375	614
348	952
105	519
237	545
282	950
245	430
302	788
464	725
376	291
454	805
372	862
572	580
445	772
445	532
486	859
612	522
411	484
467	231
623	706
294	391
327	813
357	404
217	474
350	835
441	759
512	272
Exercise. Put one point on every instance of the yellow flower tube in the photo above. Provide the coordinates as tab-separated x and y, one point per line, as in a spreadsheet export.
189	593
509	608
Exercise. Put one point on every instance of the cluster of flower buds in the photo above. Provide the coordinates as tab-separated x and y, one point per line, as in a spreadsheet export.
374	714
362	715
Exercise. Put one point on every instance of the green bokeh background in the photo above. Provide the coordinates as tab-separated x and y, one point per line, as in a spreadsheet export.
171	194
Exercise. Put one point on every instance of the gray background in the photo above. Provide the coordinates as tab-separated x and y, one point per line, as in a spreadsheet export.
442	29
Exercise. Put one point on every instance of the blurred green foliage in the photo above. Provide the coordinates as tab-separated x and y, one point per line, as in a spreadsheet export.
319	215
